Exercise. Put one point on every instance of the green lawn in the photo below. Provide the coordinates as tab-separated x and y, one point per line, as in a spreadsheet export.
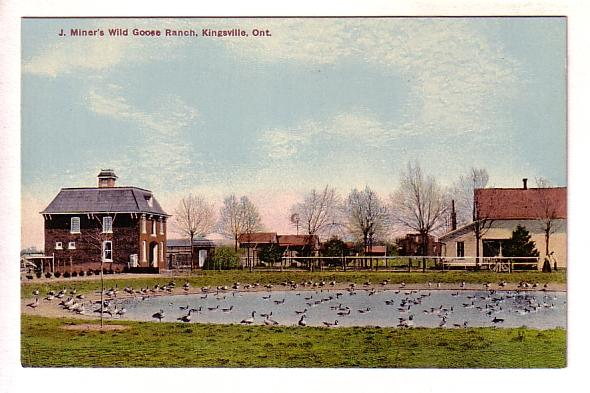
213	278
151	344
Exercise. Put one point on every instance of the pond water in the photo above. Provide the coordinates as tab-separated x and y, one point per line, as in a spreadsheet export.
419	308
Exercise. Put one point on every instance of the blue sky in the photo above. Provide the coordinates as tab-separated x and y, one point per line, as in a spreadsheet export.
345	102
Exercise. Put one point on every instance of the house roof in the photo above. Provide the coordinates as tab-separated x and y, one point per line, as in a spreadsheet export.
297	240
197	241
380	250
104	200
258	237
520	203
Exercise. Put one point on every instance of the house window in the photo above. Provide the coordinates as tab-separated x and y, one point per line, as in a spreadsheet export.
58	246
107	251
143	227
161	252
71	245
460	249
107	224
161	227
75	225
154	227
143	251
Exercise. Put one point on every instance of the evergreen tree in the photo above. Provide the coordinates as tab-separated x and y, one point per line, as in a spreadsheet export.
520	244
271	253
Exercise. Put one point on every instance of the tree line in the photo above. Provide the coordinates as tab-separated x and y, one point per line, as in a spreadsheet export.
419	204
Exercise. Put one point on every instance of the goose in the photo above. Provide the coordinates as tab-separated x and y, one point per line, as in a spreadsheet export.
302	321
364	310
279	301
301	311
213	308
266	315
184	307
406	322
328	324
197	310
159	315
228	309
270	322
121	312
266	297
186	286
34	304
443	322
185	318
343	313
249	321
497	320
458	325
80	297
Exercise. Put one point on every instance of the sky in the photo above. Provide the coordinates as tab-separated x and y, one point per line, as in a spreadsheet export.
344	102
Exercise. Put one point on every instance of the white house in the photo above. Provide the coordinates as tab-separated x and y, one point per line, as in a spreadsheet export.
500	210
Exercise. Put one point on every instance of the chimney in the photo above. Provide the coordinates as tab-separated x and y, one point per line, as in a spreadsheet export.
524	183
106	178
453	216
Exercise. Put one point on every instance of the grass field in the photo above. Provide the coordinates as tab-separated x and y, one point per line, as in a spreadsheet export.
213	278
150	344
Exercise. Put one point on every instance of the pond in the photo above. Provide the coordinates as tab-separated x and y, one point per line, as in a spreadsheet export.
418	308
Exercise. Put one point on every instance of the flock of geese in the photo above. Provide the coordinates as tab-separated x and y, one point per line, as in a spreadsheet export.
405	303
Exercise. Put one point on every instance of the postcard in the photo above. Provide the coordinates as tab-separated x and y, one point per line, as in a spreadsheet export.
294	192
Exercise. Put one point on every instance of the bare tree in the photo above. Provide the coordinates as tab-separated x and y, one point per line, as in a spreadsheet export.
318	211
419	204
238	217
547	211
470	208
463	192
95	238
194	216
367	216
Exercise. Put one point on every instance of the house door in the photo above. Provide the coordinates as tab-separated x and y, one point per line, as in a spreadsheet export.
154	254
202	257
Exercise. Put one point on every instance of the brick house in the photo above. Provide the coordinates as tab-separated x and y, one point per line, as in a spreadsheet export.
502	209
411	245
123	227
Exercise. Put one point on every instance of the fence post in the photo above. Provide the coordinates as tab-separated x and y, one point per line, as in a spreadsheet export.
510	266
409	265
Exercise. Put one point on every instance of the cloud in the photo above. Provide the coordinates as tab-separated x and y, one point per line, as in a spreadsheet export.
163	152
458	80
357	127
100	54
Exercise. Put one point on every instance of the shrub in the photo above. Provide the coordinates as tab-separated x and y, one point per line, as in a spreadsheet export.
97	271
57	274
38	274
74	274
82	273
29	276
90	272
66	274
48	274
225	258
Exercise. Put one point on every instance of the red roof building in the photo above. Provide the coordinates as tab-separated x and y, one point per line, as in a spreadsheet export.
519	203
